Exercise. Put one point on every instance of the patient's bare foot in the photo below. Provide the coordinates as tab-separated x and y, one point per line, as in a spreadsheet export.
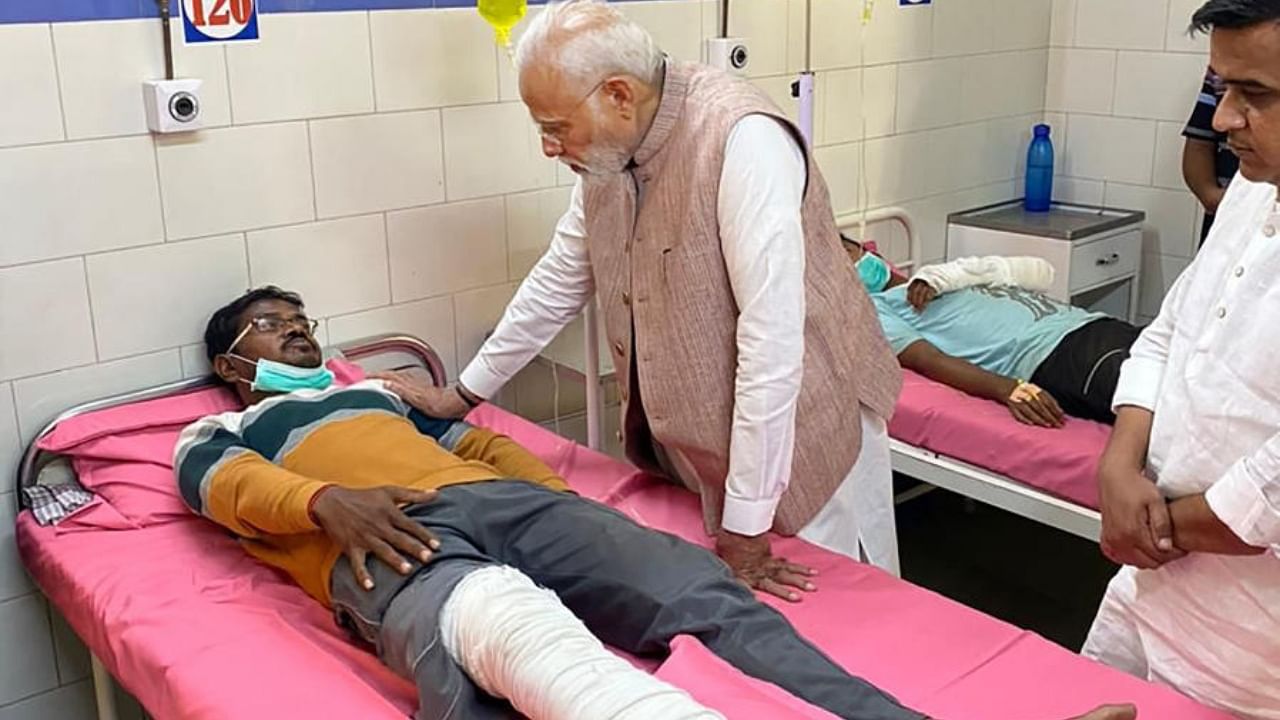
1111	712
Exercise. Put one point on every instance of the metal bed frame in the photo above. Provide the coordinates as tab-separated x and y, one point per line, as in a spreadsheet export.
393	346
938	471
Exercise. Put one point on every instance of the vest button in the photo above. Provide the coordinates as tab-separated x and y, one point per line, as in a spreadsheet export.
617	348
626	298
619	436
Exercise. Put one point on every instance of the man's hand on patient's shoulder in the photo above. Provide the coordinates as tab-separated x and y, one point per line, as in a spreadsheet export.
920	294
432	401
370	522
751	560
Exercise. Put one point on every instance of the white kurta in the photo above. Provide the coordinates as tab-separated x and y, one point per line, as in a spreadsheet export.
1209	625
762	239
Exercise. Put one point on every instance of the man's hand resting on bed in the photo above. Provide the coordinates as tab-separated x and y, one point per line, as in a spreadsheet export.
371	522
752	561
1031	405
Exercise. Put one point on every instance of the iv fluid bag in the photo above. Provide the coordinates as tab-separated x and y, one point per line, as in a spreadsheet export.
503	15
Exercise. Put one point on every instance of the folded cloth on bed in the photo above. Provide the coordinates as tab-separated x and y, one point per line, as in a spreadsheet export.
51	504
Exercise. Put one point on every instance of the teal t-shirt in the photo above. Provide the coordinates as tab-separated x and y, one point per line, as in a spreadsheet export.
1005	330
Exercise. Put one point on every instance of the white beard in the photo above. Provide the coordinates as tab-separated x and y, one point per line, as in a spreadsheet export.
606	160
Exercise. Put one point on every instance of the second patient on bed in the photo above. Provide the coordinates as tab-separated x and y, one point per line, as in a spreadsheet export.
986	326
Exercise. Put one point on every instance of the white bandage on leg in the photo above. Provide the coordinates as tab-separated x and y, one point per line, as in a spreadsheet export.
518	641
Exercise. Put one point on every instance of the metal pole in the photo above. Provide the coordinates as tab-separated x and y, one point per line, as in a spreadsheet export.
806	108
168	39
595	412
805	84
103	691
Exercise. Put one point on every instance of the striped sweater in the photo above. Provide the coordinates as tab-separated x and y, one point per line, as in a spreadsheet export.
256	471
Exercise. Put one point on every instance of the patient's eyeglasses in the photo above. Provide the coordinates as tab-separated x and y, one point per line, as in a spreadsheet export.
269	324
275	323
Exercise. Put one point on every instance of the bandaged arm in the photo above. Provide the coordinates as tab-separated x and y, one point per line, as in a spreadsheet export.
221	478
1028	273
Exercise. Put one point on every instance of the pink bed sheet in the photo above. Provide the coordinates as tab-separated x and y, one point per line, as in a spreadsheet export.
196	629
1062	462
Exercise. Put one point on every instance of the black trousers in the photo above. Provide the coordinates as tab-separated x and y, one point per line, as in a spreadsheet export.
635	588
1082	372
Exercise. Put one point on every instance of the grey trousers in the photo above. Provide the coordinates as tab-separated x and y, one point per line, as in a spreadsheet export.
634	588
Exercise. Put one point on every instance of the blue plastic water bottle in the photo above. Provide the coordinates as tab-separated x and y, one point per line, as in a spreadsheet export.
1039	190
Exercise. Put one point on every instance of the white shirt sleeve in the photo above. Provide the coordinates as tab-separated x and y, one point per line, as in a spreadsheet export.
1142	373
1247	498
554	293
762	188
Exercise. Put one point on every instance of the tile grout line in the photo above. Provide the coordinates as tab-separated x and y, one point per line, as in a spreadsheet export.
373	73
164	221
386	240
93	316
57	78
311	171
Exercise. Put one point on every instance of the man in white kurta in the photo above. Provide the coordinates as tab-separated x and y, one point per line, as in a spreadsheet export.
1190	482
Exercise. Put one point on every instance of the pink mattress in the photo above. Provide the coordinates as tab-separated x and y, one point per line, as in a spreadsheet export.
196	629
1062	461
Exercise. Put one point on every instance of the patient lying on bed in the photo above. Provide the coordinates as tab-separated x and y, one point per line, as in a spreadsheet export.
985	326
460	556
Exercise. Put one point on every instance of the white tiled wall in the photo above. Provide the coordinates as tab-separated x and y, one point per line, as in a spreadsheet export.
381	164
1123	78
921	106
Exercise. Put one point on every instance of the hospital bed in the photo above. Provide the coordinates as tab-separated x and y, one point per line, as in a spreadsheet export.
172	607
974	447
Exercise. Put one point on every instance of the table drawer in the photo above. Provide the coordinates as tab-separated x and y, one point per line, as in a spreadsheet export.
1102	260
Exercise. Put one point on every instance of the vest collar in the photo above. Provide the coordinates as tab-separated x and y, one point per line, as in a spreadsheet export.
674	87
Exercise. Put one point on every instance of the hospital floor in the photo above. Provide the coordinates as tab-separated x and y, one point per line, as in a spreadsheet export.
1020	571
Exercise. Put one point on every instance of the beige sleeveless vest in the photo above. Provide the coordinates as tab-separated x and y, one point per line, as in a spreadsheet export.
670	314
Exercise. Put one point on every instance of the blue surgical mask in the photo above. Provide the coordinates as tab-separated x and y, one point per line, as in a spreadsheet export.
278	377
874	272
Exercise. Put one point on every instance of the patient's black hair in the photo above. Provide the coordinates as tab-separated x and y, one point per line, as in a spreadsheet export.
1234	14
226	323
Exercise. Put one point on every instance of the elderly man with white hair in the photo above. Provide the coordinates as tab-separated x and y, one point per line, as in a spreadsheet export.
749	361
